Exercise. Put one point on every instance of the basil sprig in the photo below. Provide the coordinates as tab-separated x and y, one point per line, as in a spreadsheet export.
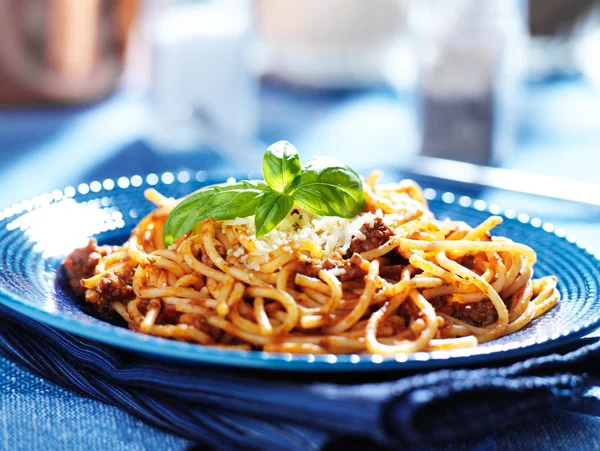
329	188
281	166
219	201
323	186
272	208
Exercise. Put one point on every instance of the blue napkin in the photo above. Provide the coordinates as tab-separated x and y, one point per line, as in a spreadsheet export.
230	408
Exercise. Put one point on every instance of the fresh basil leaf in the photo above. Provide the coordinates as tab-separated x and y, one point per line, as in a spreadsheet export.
219	202
271	210
323	186
281	166
330	188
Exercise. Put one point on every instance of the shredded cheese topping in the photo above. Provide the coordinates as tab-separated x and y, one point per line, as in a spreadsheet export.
320	237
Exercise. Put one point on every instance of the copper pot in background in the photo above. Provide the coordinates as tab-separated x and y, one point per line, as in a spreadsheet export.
62	51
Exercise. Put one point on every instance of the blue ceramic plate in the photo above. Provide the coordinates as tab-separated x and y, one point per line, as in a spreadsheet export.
35	236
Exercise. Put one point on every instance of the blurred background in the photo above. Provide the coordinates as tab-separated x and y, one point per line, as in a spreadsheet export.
494	99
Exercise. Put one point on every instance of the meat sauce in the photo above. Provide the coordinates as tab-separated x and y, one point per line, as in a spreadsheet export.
376	235
81	263
474	313
114	286
117	286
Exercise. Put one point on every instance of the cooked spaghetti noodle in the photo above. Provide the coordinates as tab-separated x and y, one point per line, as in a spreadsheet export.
392	280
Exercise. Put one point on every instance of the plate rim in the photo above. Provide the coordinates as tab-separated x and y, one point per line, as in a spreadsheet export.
194	354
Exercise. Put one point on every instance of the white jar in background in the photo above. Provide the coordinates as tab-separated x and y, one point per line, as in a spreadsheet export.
201	83
328	43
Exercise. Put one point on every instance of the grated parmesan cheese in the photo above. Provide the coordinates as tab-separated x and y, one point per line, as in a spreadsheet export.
318	236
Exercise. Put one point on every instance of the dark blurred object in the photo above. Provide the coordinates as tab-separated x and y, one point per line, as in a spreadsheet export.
471	61
559	29
554	17
62	51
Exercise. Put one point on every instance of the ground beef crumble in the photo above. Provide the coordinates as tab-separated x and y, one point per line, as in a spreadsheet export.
206	259
80	264
114	286
376	235
170	314
391	271
474	313
352	268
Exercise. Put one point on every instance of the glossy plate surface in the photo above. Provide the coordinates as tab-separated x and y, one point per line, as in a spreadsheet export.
35	235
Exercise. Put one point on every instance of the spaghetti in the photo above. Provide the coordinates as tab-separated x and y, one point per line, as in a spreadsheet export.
392	280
